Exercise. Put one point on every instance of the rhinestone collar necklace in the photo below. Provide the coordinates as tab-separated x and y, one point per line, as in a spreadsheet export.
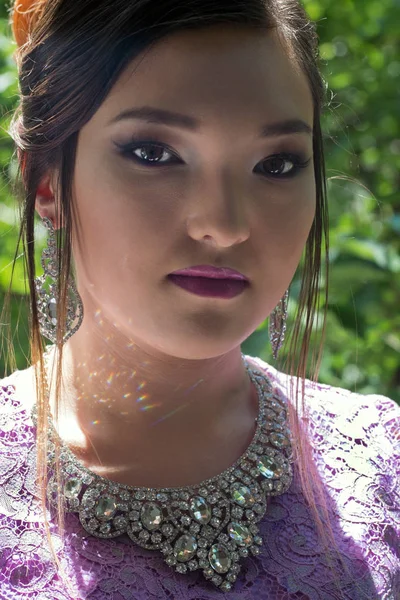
209	526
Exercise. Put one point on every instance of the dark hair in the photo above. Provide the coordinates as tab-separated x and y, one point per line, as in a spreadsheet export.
70	56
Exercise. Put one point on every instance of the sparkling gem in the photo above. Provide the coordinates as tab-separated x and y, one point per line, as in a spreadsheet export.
185	548
237	512
151	516
167	529
269	468
226	586
194	528
162	497
267	486
242	495
105	528
181	568
200	510
278	439
72	487
219	558
105	508
144	535
217	579
120	522
240	534
93	523
52	310
203	563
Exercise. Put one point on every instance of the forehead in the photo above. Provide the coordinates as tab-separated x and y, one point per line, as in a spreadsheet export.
217	74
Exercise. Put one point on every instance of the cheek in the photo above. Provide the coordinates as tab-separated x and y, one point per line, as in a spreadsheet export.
289	214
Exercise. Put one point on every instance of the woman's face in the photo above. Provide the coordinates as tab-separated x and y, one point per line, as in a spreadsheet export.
211	195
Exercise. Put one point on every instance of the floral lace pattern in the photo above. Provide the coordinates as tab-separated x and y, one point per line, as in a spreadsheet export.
355	441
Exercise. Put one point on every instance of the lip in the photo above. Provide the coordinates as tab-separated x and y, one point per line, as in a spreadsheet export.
211	272
210	287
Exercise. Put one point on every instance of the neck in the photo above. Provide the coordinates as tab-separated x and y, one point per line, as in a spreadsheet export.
122	400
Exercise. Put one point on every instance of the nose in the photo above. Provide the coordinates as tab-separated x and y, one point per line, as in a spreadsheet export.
218	212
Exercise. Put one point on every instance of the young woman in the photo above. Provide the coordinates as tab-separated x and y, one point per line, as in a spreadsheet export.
173	151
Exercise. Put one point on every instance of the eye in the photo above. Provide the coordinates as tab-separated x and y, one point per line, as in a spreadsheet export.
148	153
284	165
151	153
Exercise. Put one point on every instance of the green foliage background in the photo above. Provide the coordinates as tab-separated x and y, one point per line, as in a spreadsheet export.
361	63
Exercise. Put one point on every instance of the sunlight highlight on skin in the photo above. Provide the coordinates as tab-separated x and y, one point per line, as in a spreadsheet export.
141	398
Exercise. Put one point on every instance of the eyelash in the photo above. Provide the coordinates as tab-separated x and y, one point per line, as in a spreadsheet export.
127	151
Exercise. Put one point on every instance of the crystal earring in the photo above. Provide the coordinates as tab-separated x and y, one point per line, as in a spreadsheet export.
277	325
48	301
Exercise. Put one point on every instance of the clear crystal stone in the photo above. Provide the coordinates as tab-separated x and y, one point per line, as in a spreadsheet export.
162	497
52	310
268	467
242	495
200	510
156	537
181	568
237	512
240	534
151	516
105	528
219	558
167	529
193	564
185	548
226	586
278	439
72	487
267	486
120	522
194	528
106	507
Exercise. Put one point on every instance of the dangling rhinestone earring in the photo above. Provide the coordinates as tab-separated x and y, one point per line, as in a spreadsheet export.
48	301
277	325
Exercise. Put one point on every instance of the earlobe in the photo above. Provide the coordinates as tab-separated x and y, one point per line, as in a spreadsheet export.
45	202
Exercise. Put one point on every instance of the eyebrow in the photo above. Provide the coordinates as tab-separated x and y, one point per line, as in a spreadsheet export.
166	117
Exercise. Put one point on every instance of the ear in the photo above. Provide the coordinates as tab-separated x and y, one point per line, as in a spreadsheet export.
46	200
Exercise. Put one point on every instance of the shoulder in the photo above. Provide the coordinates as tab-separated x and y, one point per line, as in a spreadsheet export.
18	389
341	415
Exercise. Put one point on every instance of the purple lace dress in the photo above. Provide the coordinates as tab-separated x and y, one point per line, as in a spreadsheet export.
356	447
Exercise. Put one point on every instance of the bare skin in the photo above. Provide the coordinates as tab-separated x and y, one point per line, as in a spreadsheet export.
155	392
